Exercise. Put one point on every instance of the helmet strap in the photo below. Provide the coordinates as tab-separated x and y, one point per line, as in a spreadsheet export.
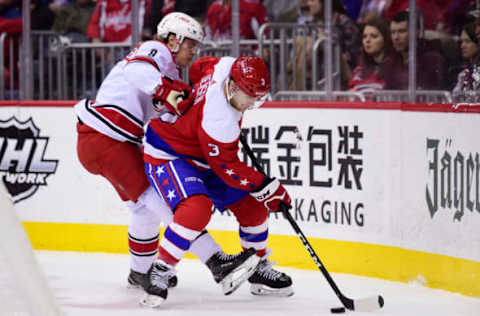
178	40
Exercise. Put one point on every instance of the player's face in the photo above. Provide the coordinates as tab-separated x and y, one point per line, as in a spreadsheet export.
188	49
240	100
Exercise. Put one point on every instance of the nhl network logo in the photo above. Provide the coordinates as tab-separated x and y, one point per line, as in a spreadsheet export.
22	165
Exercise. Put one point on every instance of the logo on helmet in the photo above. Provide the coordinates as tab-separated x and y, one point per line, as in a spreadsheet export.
251	75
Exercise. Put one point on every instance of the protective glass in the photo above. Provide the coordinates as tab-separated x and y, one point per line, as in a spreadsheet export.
191	45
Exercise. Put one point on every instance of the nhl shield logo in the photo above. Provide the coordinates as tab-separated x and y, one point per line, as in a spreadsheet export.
23	167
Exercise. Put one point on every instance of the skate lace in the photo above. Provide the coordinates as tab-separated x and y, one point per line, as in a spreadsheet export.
265	267
160	275
226	257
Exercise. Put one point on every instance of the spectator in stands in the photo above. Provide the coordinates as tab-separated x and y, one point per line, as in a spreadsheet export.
468	81
197	9
431	65
56	5
41	16
159	8
349	34
477	30
300	14
10	23
219	19
352	8
71	20
371	9
111	20
439	15
152	18
376	49
348	39
276	8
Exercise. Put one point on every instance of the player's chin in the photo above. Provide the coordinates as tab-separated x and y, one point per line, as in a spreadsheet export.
184	62
245	107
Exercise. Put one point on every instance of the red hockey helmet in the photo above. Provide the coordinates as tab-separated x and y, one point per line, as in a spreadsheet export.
250	74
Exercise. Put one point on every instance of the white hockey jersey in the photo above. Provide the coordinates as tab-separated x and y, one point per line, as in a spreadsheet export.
123	104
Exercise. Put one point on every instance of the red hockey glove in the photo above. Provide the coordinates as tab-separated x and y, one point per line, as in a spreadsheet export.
175	95
272	194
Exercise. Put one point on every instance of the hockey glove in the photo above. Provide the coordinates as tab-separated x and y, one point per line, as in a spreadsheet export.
175	95
272	194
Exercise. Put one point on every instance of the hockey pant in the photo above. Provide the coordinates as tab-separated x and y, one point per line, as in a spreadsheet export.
191	193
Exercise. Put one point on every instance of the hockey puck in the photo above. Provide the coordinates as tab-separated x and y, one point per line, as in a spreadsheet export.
337	310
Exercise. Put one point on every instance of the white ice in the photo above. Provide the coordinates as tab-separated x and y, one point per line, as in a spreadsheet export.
94	284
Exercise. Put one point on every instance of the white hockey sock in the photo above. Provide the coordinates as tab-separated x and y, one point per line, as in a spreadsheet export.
204	247
143	235
157	205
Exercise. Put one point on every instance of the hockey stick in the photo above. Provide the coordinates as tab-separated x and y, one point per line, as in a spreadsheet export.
362	305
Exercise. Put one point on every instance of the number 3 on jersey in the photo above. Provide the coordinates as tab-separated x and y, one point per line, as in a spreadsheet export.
214	150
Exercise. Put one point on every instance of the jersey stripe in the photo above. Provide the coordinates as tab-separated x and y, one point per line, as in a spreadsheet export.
158	186
93	111
179	181
120	120
143	59
175	183
157	148
176	239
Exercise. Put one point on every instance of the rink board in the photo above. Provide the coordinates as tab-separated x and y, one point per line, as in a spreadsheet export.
389	191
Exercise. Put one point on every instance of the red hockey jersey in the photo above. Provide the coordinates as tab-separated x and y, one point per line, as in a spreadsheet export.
207	135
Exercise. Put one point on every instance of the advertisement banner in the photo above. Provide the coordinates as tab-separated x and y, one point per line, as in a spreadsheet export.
387	177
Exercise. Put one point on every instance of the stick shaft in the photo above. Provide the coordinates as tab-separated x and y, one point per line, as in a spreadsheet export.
348	303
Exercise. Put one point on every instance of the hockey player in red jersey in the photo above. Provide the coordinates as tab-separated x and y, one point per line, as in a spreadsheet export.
142	86
193	164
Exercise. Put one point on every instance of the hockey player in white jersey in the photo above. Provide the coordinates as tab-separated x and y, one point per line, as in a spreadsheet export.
110	129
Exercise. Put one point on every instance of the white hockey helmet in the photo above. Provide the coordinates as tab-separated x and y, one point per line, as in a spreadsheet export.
182	25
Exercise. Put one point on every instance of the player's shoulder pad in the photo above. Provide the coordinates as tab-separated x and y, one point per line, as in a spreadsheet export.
200	67
148	46
220	120
155	50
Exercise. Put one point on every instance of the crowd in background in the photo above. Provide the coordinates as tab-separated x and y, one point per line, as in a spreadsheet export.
373	34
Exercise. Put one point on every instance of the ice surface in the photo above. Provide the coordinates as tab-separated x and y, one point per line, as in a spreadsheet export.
94	284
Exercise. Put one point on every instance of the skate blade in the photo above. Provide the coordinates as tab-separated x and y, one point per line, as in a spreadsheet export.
151	301
262	290
236	278
133	286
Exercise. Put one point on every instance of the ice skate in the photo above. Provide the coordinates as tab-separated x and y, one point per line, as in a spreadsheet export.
137	279
232	270
156	284
268	281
